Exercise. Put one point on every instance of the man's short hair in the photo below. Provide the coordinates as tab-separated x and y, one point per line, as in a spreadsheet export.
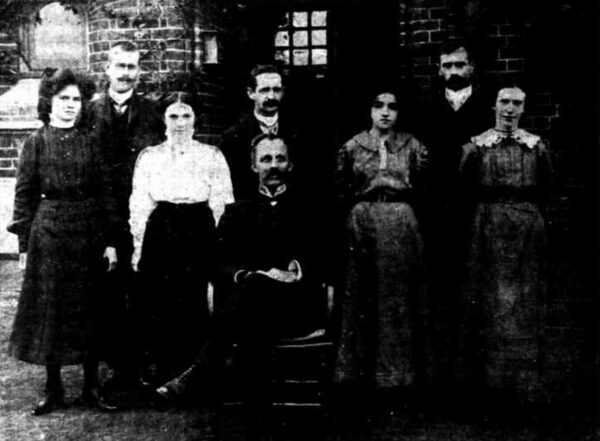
260	138
122	46
260	69
455	45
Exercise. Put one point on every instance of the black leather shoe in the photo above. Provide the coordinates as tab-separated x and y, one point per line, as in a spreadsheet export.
94	399
178	387
49	403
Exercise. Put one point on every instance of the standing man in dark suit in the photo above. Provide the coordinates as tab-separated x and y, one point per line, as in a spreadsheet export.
265	88
451	117
125	123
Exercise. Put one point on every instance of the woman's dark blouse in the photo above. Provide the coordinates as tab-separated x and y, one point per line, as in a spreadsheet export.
60	164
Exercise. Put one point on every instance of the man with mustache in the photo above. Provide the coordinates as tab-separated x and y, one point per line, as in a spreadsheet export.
453	114
270	265
125	123
265	89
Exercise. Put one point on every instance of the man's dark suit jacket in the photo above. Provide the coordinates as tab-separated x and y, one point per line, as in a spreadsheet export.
444	131
255	234
121	146
235	146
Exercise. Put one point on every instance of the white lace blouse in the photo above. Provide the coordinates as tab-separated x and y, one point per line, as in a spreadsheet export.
186	174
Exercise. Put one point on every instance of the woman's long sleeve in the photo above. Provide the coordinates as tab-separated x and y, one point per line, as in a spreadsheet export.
221	190
107	194
545	176
420	165
27	192
343	179
141	203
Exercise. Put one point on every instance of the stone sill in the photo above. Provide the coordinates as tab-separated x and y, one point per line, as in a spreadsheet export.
20	125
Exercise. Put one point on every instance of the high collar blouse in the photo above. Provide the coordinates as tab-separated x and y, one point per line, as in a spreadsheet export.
183	174
367	164
496	162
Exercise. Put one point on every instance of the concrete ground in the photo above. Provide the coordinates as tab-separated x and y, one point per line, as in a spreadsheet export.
20	386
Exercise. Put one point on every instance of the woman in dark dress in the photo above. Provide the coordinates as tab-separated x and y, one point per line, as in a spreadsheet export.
378	174
507	171
63	214
180	189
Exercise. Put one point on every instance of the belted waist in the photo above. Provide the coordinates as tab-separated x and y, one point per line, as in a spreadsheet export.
175	207
386	195
508	195
52	201
72	215
182	210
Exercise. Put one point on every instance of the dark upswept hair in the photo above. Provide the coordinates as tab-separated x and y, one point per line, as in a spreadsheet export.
189	98
455	45
55	80
260	69
374	92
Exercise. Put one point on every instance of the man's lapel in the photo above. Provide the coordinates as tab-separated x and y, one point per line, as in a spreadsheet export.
133	109
105	109
251	127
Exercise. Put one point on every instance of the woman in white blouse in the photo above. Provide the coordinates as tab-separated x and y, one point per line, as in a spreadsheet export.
180	189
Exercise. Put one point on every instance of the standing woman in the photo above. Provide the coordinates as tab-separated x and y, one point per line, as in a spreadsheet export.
507	171
378	174
63	215
180	189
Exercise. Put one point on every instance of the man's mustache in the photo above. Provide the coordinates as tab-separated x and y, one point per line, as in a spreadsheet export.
271	102
128	79
456	78
274	174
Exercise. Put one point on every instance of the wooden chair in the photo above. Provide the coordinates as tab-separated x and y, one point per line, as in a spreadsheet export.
302	366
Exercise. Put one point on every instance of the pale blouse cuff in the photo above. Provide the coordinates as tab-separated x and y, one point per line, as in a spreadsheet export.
297	269
221	191
137	222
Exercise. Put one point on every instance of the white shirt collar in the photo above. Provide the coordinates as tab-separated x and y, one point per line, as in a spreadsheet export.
268	121
120	98
456	98
264	190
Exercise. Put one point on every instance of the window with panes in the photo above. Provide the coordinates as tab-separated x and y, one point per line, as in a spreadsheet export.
301	39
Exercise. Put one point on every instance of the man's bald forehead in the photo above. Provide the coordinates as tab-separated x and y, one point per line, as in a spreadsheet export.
272	141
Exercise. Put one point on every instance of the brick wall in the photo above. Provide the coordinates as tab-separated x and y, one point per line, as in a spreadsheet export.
160	33
8	62
212	78
10	144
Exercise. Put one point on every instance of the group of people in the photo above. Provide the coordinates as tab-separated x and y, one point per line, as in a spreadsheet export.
124	219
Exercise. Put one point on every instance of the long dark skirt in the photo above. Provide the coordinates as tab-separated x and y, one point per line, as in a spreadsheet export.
176	264
384	283
504	292
56	320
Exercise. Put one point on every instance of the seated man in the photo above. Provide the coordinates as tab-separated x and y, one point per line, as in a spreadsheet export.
270	269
